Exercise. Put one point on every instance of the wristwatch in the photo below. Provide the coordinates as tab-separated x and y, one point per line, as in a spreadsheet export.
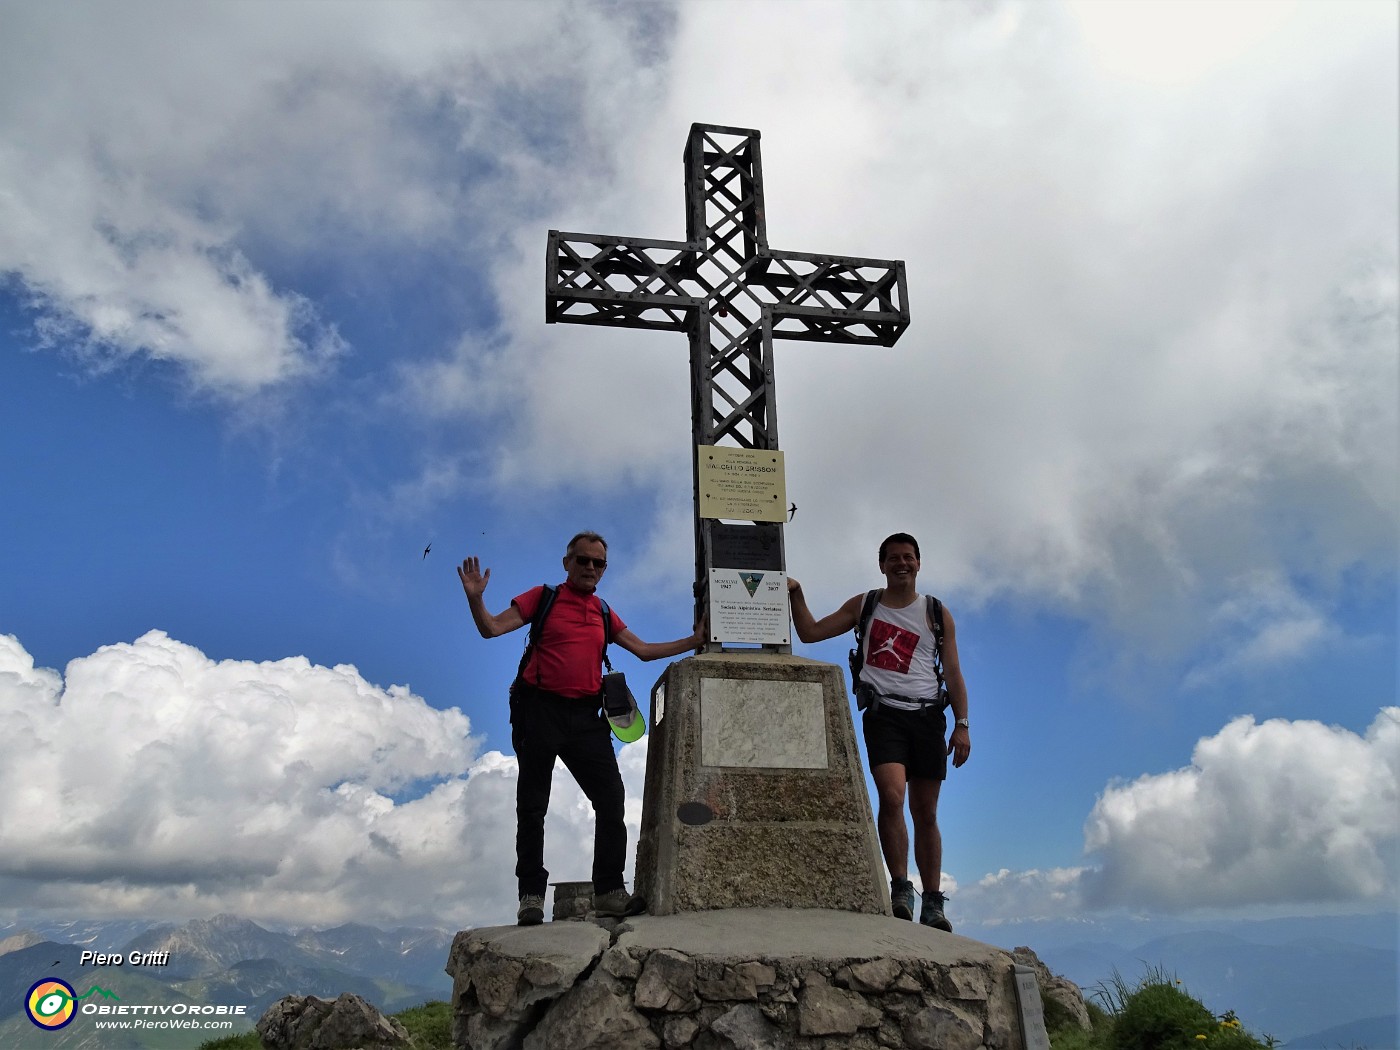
961	722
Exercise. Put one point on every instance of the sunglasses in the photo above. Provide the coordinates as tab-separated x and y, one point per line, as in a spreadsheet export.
586	562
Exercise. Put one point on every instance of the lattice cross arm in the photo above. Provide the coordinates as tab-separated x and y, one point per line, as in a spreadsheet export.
630	282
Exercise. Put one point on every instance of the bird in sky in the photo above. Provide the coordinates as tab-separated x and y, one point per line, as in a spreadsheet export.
792	512
427	549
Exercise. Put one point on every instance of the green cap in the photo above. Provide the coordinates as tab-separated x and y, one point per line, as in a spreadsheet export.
628	726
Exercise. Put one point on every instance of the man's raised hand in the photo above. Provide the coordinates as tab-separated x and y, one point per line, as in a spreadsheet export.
474	581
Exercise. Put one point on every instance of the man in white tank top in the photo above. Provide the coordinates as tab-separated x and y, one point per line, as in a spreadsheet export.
904	726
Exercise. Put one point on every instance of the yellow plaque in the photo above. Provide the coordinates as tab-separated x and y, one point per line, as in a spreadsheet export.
742	484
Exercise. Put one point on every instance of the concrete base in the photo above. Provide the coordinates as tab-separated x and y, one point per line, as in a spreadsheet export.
754	793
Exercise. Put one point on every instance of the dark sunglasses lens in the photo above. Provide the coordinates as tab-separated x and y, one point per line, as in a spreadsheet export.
597	563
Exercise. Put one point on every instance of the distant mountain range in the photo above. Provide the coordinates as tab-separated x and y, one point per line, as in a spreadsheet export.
224	960
1315	984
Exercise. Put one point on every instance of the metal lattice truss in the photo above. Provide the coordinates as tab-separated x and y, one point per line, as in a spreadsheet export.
731	294
726	288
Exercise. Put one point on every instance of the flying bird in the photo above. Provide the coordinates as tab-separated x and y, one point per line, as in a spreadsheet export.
792	512
426	550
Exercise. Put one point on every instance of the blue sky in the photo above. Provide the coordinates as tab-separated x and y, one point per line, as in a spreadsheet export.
271	321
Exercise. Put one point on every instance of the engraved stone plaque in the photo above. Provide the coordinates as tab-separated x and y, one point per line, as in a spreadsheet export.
765	724
744	484
1031	1011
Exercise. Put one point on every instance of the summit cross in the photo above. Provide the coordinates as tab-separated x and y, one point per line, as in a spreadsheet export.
732	295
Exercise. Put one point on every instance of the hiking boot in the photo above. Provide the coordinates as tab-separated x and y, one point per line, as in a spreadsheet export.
531	910
617	904
931	914
902	899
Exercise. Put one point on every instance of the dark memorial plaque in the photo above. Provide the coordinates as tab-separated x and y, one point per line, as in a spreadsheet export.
746	546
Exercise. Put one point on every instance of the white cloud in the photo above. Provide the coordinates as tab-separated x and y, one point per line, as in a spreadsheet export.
1153	333
150	780
150	155
1267	813
1003	895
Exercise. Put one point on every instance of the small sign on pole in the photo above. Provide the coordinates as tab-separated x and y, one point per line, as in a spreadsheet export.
749	606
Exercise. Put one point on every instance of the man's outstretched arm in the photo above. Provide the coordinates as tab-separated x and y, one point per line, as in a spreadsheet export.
810	629
660	650
474	585
960	740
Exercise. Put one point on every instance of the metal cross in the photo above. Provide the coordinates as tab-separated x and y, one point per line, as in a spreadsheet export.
732	295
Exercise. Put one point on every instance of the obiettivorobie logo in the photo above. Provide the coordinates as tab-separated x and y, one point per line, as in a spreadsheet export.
52	1003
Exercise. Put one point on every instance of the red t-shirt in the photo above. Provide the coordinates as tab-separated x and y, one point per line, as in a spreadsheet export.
568	660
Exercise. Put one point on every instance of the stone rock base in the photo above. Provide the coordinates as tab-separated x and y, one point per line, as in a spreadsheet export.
304	1022
799	979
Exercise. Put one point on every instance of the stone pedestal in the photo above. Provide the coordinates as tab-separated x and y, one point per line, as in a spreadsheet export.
573	901
754	793
719	980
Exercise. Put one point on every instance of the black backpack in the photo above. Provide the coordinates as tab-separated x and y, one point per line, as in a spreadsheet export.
933	610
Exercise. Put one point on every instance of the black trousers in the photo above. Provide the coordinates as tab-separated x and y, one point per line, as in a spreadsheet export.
544	726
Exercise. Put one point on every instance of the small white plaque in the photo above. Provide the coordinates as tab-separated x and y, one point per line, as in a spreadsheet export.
773	725
741	484
749	606
1032	1014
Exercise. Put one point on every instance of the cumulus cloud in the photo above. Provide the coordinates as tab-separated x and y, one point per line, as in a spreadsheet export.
1276	812
1154	316
165	171
150	780
1154	304
1055	893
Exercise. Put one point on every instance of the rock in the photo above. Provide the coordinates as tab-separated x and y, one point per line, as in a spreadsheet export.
746	1028
594	1015
619	963
824	1010
942	1027
876	975
965	982
667	983
680	1031
503	974
1058	989
737	983
308	1023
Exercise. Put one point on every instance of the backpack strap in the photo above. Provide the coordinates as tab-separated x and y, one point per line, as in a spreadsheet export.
547	595
607	633
934	612
857	656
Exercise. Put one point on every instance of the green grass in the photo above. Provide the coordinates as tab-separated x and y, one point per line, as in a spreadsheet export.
1156	1013
430	1026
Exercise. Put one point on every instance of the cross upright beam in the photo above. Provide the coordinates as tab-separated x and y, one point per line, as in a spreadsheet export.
731	294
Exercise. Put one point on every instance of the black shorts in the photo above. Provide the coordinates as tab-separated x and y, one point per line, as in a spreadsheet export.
914	739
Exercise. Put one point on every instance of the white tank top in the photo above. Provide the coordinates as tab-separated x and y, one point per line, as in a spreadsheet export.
899	655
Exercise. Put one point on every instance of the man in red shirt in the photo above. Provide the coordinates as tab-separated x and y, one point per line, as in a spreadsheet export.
556	711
